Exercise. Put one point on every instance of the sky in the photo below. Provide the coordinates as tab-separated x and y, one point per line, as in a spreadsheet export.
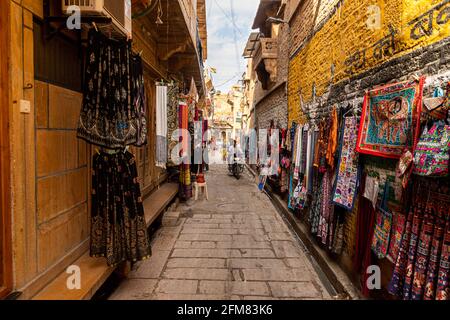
222	49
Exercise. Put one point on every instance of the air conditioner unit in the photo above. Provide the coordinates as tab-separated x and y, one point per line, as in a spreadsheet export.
118	10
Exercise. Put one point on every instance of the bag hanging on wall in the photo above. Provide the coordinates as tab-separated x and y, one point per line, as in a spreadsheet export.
431	158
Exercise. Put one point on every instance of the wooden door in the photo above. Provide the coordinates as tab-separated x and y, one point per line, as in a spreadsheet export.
5	209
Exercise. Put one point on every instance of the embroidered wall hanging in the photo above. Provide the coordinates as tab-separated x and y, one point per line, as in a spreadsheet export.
389	121
348	173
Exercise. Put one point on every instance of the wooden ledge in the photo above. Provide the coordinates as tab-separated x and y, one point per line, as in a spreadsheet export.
95	271
158	201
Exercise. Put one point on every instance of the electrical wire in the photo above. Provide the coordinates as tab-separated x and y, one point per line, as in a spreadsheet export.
228	17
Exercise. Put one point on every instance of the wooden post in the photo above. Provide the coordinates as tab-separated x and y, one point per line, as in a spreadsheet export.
6	276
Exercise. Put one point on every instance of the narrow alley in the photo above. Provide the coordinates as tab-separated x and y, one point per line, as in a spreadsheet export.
233	246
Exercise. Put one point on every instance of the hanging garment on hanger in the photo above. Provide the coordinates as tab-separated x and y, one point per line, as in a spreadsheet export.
108	117
161	126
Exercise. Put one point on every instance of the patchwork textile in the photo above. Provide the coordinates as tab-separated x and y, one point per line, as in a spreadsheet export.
431	157
389	121
348	173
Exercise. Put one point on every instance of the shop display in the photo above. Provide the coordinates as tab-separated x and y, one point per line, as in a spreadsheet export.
389	120
113	116
377	160
118	228
348	173
108	117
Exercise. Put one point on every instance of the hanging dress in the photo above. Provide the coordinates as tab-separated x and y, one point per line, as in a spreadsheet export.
118	227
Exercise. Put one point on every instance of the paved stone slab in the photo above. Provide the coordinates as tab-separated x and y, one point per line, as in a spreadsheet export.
276	274
135	289
195	245
177	286
233	247
212	287
294	290
151	268
248	288
251	263
196	263
197	273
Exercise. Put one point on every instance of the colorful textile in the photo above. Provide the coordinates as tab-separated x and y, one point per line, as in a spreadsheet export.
443	284
315	212
423	254
389	121
382	232
118	227
398	228
431	157
113	111
172	119
326	208
412	253
396	284
333	139
185	169
435	254
161	126
348	173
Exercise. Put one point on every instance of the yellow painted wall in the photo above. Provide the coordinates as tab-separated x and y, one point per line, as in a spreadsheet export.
346	33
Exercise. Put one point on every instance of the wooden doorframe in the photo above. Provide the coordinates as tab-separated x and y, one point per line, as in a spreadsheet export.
6	273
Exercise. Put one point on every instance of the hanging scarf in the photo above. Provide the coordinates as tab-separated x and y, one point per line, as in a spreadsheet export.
333	139
161	126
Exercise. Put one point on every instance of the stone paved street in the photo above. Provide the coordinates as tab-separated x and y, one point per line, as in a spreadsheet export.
234	246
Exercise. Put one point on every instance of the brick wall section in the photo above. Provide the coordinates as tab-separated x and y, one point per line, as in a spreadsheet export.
272	103
273	107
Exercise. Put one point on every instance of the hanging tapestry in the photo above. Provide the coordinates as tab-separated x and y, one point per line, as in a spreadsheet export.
172	119
161	126
435	254
185	168
398	228
443	284
423	254
381	234
412	253
139	99
347	179
389	121
397	282
118	227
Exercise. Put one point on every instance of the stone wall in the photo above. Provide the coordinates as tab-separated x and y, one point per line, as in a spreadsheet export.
273	107
335	56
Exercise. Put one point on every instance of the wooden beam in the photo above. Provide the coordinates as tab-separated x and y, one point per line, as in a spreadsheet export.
166	51
6	273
